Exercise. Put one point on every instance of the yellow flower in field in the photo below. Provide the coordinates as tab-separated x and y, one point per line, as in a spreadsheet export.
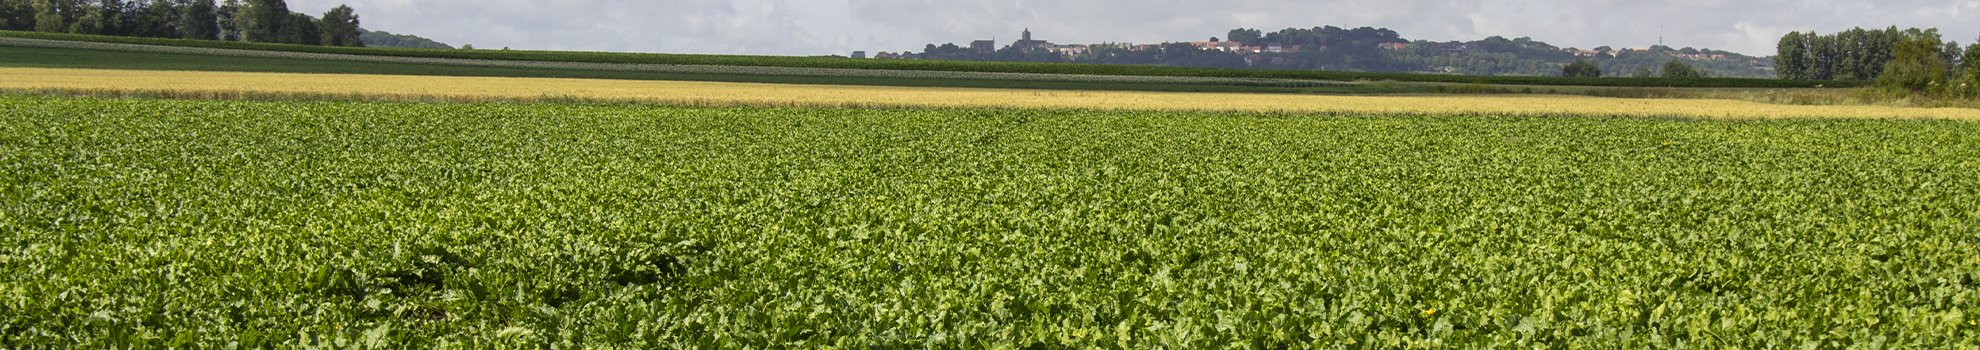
1429	312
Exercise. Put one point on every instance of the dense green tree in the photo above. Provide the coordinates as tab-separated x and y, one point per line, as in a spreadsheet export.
1967	83
228	18
1917	65
52	15
89	19
340	27
1971	59
199	20
1244	36
1854	54
387	39
17	15
1581	68
1675	69
262	20
119	17
300	29
1791	61
156	20
1643	72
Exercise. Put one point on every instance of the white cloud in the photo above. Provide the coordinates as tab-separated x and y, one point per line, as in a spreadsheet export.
815	27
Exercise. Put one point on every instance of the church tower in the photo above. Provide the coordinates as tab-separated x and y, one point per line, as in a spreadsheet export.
1027	35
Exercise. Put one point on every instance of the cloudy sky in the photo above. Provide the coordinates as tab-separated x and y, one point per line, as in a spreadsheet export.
821	27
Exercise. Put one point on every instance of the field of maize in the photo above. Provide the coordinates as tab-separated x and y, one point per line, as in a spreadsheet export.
225	224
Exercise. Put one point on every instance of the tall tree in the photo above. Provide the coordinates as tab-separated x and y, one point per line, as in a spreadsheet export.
1581	69
89	19
228	16
157	20
52	15
1675	69
17	15
1244	36
1792	60
261	20
340	27
118	17
198	20
1971	58
300	29
1916	65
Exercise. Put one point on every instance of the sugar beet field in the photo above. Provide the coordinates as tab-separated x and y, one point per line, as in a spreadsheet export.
152	223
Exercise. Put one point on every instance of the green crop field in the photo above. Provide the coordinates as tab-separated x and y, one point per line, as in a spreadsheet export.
151	223
939	65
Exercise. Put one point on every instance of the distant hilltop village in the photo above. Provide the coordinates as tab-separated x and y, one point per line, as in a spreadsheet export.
1024	44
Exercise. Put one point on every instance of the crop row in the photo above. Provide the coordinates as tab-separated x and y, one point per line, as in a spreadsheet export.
151	222
939	65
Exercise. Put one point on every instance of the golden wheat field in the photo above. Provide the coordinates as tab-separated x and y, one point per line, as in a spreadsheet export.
186	84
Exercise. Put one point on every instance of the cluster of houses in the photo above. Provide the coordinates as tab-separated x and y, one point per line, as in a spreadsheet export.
1232	46
1024	43
1449	47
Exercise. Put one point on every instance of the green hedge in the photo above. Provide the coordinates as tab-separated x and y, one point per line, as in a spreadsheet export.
938	65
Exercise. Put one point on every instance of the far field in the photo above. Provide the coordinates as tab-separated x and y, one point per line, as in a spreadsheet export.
148	223
363	87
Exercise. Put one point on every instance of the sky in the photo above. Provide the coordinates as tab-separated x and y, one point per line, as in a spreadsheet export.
828	27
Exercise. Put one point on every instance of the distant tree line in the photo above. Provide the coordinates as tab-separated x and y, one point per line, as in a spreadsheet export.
266	21
1911	62
1369	49
1855	54
387	39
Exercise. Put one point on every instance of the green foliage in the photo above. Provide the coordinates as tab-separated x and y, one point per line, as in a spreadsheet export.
1581	69
261	21
1917	66
157	20
147	223
387	39
1855	54
301	29
17	15
1971	58
1249	37
340	27
199	20
934	65
90	21
1675	69
52	16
